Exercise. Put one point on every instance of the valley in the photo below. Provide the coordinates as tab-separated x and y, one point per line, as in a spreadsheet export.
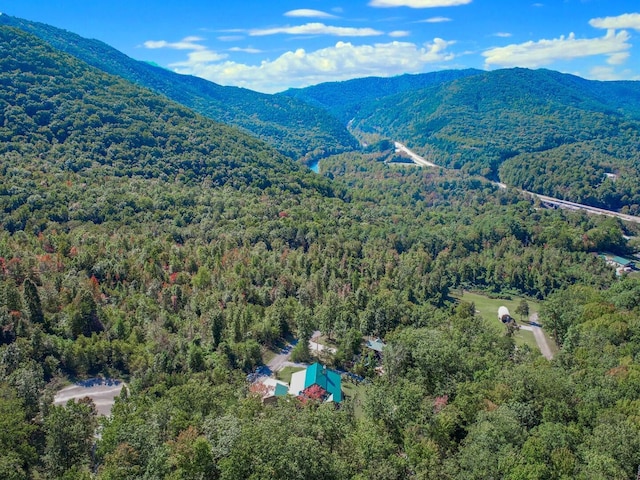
149	235
550	201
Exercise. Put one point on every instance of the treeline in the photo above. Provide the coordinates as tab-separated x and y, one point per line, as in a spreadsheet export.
294	128
180	283
540	130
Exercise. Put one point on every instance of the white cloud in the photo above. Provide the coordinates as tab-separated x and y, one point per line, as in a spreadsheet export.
230	38
609	73
618	58
308	13
317	29
603	73
502	34
245	50
200	57
341	62
435	20
399	33
417	3
544	52
187	43
628	20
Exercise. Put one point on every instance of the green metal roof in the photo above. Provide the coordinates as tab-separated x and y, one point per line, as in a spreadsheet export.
625	262
316	374
621	261
376	344
281	390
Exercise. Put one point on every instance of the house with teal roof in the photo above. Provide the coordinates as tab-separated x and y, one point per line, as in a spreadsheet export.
376	345
617	260
269	389
317	378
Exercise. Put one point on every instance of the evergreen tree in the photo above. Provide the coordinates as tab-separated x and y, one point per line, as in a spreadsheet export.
11	297
32	301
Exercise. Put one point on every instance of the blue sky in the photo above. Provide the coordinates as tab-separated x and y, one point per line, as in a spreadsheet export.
270	46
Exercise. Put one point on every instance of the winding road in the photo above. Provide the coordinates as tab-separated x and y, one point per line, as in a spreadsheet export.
418	160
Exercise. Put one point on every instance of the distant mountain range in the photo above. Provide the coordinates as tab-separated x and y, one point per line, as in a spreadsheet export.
292	127
541	130
60	114
345	99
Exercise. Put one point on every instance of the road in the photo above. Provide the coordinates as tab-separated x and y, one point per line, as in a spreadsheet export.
102	392
282	359
541	340
418	160
579	206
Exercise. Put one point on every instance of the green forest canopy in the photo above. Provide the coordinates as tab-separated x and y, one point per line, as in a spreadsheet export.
294	128
147	243
539	130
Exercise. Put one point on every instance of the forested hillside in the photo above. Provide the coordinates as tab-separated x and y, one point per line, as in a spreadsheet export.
57	111
292	127
141	241
543	131
345	99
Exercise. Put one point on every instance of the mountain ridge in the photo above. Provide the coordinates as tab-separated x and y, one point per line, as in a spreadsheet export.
343	99
62	113
516	126
292	127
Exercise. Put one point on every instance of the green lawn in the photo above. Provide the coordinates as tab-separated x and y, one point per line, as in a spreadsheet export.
356	393
488	307
525	337
284	375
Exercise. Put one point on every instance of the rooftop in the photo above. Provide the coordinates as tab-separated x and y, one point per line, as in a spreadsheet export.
376	345
320	375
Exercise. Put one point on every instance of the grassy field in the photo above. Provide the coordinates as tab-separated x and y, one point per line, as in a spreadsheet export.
356	393
525	337
488	309
284	375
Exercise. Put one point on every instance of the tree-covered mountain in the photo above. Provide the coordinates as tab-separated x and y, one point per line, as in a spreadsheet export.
345	99
56	110
141	241
292	127
541	130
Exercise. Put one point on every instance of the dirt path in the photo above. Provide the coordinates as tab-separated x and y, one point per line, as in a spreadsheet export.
314	346
283	359
541	340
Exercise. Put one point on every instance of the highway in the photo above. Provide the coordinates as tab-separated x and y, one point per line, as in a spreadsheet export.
556	202
417	159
